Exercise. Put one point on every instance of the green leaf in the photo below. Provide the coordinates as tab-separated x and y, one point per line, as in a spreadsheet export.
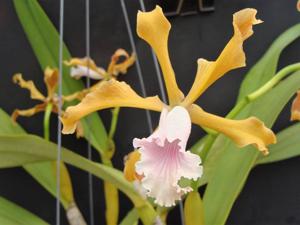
131	218
198	147
209	163
39	150
193	209
233	165
7	126
266	67
288	146
44	41
42	172
12	214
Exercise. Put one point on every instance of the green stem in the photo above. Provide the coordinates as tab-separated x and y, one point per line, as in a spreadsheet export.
238	107
110	191
263	89
275	80
47	115
114	122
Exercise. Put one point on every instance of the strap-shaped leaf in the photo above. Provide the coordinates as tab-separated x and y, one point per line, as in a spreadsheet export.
288	146
40	150
131	218
42	172
233	165
12	214
44	41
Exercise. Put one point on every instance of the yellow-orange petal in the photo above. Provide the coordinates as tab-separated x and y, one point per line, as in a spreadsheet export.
28	112
51	80
29	85
115	67
298	5
109	94
154	28
295	110
232	56
242	132
129	166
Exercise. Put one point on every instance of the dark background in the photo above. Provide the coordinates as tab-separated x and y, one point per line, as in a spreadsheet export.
271	195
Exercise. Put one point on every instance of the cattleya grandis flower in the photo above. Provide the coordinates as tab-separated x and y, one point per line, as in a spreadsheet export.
161	159
51	81
86	67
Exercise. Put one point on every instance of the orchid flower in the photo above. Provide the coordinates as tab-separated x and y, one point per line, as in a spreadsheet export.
51	80
83	67
295	109
154	28
161	160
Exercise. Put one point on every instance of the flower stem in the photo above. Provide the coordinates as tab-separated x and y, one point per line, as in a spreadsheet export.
238	107
110	191
275	80
263	89
114	121
47	114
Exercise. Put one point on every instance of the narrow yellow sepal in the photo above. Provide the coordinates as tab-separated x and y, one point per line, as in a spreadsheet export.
154	28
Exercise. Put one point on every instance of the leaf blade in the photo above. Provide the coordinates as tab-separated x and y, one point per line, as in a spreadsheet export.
12	214
42	172
131	218
42	150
